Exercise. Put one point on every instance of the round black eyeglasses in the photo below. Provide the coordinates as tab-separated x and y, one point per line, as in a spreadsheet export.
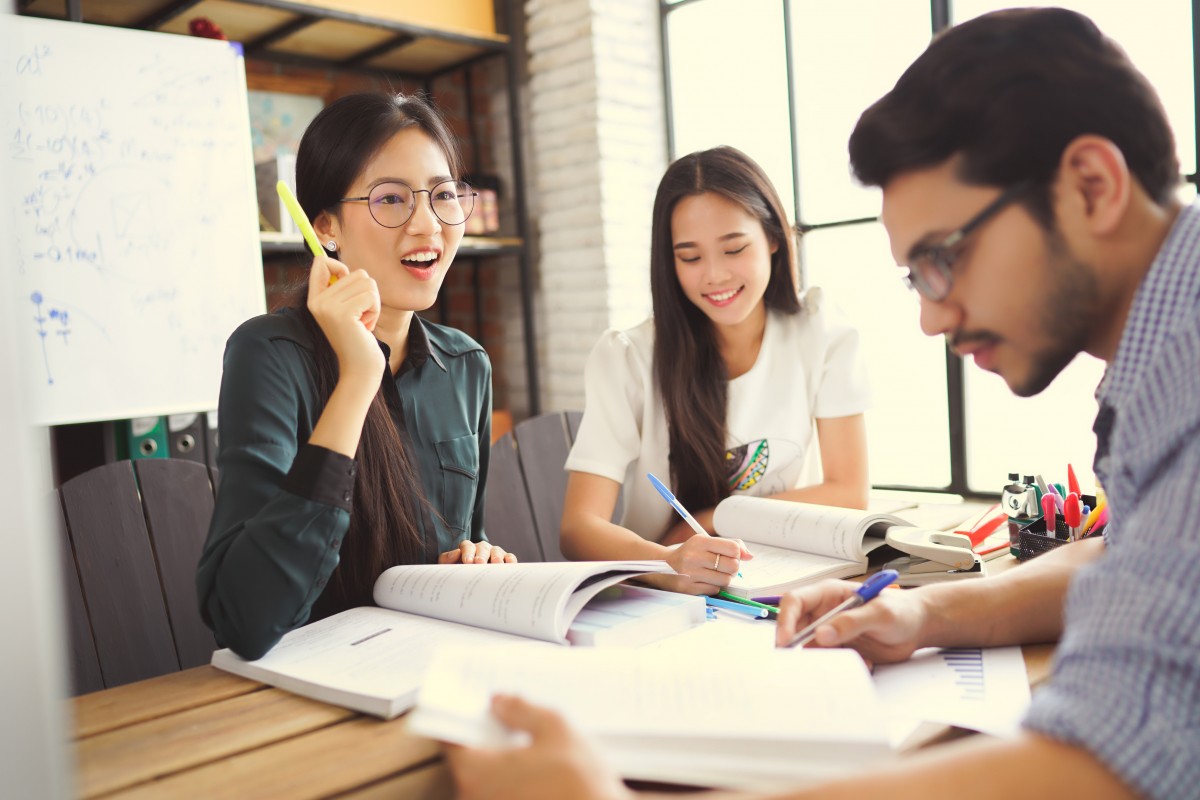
392	204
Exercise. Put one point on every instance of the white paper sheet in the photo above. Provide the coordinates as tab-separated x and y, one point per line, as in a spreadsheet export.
985	690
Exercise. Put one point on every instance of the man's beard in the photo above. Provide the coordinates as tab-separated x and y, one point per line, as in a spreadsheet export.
1069	312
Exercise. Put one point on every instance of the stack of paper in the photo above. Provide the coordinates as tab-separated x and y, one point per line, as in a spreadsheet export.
788	717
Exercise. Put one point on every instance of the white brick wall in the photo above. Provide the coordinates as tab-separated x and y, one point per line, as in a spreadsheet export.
598	149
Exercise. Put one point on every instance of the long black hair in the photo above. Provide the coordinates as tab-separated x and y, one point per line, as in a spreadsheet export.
388	500
688	368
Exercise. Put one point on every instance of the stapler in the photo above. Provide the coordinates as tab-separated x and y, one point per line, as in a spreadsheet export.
917	571
946	550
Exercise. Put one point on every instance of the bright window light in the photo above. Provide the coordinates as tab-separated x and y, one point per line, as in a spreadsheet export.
846	55
907	432
729	84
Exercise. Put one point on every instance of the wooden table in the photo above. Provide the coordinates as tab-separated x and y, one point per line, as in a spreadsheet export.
205	733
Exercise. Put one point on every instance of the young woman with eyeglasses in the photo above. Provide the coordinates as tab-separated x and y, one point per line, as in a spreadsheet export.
719	392
354	435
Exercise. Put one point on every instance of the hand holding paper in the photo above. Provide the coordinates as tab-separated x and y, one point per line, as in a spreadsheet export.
559	762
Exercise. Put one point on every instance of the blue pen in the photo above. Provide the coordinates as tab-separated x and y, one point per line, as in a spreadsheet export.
741	608
865	594
675	504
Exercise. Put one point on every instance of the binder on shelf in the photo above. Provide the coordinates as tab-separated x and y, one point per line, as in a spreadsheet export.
210	438
142	437
185	432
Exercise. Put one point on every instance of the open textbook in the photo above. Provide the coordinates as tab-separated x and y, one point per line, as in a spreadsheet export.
371	659
797	543
804	714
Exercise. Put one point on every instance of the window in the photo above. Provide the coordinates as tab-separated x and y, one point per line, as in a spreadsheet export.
785	81
726	88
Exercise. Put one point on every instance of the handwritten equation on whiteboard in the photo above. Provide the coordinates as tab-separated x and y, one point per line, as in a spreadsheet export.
133	211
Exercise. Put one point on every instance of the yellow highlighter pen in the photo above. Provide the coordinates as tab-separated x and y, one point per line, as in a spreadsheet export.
301	220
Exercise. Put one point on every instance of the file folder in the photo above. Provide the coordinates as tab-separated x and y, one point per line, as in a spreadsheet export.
142	437
186	435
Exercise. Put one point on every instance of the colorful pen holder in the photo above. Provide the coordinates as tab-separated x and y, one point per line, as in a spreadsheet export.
1034	540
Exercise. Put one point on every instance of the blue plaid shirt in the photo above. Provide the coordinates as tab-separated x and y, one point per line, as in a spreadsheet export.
1126	681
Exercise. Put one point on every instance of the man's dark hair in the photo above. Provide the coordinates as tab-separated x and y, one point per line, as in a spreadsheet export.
1008	91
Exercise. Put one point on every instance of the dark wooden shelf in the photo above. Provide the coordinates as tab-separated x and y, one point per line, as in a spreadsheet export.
303	32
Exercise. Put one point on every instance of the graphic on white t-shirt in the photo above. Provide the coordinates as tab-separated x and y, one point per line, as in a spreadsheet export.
763	466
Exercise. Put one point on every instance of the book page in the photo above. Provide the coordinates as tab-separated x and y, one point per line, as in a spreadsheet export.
639	694
536	600
774	570
821	530
369	659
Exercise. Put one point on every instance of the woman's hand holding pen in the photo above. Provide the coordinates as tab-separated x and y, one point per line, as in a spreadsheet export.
469	552
347	310
706	564
883	631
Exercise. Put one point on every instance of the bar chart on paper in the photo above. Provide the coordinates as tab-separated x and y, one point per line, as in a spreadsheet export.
980	689
966	666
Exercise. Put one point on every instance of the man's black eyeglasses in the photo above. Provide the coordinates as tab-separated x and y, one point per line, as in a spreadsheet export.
931	269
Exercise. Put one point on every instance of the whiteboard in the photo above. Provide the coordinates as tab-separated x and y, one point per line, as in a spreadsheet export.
130	195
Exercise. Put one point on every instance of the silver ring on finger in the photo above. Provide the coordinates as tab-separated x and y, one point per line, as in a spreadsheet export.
717	563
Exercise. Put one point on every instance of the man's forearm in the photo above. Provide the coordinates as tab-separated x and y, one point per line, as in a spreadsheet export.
981	768
1021	606
985	769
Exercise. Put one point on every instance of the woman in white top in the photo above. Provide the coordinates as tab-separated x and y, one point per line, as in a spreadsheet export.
718	392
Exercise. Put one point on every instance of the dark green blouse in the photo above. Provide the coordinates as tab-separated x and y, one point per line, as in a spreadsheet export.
284	505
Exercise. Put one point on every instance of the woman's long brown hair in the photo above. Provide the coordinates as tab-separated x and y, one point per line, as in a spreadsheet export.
688	369
388	500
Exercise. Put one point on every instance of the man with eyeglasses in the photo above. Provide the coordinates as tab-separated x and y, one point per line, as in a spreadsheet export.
1030	190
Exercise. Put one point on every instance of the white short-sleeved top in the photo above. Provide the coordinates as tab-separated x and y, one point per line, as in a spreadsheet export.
808	367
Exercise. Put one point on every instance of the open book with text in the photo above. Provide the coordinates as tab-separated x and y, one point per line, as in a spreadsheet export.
804	714
798	543
371	659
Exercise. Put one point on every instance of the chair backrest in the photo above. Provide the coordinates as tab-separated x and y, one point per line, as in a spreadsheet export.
527	484
132	535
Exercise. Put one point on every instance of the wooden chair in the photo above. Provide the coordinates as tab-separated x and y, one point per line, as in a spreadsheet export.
132	535
527	484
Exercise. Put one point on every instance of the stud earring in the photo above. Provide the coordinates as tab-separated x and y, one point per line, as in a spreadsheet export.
331	246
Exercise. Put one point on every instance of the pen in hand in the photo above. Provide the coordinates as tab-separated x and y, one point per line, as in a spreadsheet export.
865	594
675	504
